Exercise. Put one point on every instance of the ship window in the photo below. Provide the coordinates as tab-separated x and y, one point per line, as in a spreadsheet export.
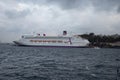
54	41
48	41
31	41
34	41
60	41
22	36
65	42
40	41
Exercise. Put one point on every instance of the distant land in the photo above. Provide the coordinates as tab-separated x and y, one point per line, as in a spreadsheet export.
102	41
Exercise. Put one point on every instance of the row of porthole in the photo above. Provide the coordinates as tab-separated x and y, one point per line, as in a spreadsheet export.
53	41
45	41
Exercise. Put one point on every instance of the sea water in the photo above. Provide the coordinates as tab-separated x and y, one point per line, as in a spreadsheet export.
41	63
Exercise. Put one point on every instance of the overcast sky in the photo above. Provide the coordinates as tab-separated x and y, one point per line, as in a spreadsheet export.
19	17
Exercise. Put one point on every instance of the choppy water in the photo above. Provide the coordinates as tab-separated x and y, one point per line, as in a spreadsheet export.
36	63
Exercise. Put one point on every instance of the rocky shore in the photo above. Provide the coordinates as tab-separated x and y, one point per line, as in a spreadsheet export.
102	41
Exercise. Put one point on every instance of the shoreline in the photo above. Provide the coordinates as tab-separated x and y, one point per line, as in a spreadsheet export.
90	46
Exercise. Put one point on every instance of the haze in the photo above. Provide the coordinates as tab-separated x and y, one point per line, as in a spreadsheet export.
19	17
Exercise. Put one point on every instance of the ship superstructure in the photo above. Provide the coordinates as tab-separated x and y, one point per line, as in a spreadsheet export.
52	41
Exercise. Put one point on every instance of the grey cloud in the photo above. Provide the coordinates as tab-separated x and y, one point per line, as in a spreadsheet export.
99	5
64	4
40	2
106	5
13	14
118	10
70	4
9	29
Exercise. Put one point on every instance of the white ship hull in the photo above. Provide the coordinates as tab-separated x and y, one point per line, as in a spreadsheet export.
52	41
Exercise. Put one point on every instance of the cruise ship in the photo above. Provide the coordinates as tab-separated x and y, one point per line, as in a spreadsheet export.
52	41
